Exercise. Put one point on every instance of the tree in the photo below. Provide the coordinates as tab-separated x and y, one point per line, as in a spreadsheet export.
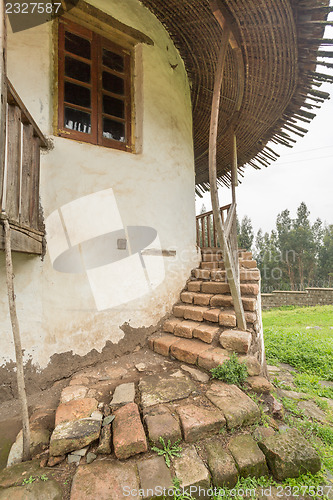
325	255
245	235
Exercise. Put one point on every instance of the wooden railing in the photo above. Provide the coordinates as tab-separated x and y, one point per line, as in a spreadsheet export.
19	180
206	231
207	235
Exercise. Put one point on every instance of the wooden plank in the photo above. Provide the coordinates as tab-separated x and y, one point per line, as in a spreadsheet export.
227	256
34	202
208	231
27	173
21	242
229	221
14	98
13	162
3	97
198	232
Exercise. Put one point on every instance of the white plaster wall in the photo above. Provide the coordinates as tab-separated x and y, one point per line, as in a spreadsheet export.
154	188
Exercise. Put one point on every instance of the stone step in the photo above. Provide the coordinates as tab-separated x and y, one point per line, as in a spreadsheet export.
190	329
215	288
214	300
245	275
212	265
248	264
193	351
225	317
245	255
236	341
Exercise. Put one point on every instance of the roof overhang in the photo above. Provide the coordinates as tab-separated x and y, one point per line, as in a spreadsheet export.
278	42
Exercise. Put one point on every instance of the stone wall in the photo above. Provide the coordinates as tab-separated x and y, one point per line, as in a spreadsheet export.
310	297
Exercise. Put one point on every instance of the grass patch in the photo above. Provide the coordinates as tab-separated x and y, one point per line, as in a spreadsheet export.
287	340
231	372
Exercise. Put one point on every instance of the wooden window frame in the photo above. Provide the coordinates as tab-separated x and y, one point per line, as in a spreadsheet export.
97	43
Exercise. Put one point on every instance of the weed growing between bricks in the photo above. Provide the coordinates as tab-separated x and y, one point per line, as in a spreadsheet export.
231	371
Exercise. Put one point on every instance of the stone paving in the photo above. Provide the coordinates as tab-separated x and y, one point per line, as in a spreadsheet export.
108	440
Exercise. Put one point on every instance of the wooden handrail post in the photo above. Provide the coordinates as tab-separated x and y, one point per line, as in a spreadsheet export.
234	173
3	95
231	276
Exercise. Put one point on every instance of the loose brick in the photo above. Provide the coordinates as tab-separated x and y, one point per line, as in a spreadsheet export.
75	410
249	275
128	434
221	301
259	384
221	464
162	344
227	319
169	325
212	257
206	333
246	255
250	317
248	456
249	289
209	265
236	340
162	423
248	264
218	275
249	303
202	274
215	288
212	358
185	328
154	473
191	471
202	299
188	350
198	421
194	286
195	312
212	315
186	297
252	364
178	311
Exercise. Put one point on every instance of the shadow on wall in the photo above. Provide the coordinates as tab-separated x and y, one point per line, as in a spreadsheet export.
121	263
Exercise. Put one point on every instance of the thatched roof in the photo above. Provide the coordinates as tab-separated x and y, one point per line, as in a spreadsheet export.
279	41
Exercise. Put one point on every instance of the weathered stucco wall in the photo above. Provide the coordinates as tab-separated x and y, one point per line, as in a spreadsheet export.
310	297
154	188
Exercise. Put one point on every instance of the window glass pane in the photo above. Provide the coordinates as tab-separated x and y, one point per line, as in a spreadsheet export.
113	61
75	94
113	83
77	69
77	45
113	130
113	106
77	120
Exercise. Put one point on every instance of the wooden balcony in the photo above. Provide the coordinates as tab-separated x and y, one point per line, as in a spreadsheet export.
19	179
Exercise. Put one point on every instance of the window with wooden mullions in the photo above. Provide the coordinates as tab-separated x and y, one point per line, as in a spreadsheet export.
94	88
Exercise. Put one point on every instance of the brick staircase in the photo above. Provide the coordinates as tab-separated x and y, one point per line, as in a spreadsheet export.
202	329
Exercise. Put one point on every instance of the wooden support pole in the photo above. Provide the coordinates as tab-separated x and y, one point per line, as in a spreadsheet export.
17	342
234	172
228	260
3	96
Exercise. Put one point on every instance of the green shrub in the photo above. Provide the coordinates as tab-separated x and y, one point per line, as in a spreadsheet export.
231	372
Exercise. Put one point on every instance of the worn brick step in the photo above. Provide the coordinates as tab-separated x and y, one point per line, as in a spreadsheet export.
192	329
212	265
214	300
193	351
248	264
245	275
245	255
236	341
225	317
215	288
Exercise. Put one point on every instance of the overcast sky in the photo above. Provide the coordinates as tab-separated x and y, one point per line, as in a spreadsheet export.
303	173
